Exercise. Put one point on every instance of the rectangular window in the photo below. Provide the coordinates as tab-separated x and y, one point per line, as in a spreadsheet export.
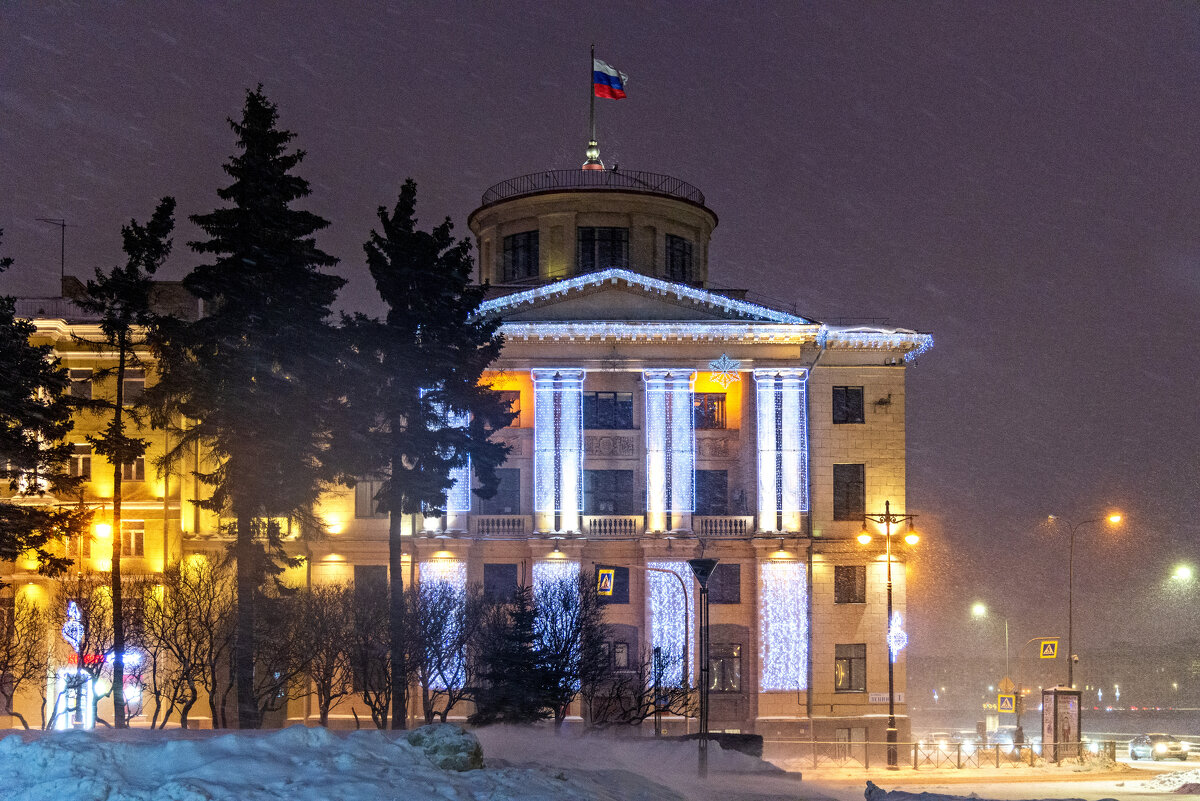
620	593
499	582
520	256
512	397
725	667
850	668
725	584
608	410
602	248
366	498
847	404
620	656
507	500
135	470
133	538
81	382
609	492
712	492
81	461
679	258
850	584
371	579
849	491
710	410
134	385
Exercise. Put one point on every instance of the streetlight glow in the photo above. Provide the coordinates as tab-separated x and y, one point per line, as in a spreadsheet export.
1114	518
979	610
1183	573
911	538
864	538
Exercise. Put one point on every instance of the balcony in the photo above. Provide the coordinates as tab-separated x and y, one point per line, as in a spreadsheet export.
502	527
596	180
613	526
723	526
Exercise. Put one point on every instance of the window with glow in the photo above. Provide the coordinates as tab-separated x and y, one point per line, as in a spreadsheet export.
849	491
520	256
710	411
850	668
512	398
679	259
725	667
847	405
783	626
672	616
602	248
850	584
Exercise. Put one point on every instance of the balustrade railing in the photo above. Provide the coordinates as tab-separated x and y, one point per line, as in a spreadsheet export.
551	180
723	525
502	526
613	525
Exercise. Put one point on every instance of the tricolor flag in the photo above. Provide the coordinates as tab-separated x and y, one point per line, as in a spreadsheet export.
607	81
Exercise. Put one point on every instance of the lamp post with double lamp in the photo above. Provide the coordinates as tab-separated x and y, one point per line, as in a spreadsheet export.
1112	519
887	520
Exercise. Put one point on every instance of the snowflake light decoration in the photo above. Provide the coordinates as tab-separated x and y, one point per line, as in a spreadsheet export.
725	370
896	637
72	630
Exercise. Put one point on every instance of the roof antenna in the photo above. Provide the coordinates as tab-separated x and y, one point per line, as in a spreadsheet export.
62	245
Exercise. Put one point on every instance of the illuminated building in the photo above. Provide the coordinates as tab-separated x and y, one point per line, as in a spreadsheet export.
659	419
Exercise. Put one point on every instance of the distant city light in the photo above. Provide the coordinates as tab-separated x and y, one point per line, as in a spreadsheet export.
1114	518
979	609
1183	573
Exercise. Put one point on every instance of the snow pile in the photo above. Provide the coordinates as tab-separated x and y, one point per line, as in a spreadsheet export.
875	793
297	764
1174	781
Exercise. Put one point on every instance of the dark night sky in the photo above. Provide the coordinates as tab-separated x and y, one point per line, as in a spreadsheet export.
1021	180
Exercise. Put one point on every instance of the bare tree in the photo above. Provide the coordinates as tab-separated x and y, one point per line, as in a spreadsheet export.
446	620
284	651
370	653
626	697
24	653
328	634
569	639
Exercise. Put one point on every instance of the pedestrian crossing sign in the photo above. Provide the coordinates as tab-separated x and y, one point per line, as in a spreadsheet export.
1006	702
604	581
1049	649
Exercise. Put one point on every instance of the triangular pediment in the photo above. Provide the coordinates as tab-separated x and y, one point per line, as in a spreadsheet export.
621	295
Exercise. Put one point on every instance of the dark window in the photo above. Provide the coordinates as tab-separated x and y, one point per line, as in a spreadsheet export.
366	497
850	668
679	258
81	461
712	492
725	667
608	410
371	579
602	248
499	582
849	491
521	256
620	656
512	397
134	385
725	584
507	500
710	410
133	538
135	470
81	382
620	593
609	492
850	584
847	404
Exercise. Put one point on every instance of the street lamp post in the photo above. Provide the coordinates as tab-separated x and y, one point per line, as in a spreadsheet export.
1072	528
887	520
703	569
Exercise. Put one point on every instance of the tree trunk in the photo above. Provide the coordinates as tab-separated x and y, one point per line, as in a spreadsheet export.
118	682
397	620
243	643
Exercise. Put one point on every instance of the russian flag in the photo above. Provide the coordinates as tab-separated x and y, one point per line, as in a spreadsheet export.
608	81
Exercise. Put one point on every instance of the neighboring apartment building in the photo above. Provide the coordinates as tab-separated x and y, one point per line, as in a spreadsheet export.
658	420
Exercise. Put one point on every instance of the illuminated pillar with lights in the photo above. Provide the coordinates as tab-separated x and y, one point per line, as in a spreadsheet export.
783	625
782	448
670	449
558	449
458	496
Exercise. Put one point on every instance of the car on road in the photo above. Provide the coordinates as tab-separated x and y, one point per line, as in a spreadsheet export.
1158	746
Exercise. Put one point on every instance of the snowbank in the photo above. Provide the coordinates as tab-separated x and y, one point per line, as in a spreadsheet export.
297	764
875	793
1174	781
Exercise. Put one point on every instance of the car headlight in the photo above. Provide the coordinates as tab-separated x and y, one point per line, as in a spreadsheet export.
1161	748
1186	746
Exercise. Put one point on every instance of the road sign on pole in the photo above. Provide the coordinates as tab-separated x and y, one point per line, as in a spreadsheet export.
1006	685
605	578
1049	649
1006	702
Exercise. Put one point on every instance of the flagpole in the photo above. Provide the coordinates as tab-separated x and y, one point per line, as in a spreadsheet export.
593	149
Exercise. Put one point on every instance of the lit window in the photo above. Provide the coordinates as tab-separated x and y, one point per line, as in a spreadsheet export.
850	668
135	470
710	410
512	399
679	258
725	667
847	404
620	656
602	249
849	491
133	538
520	256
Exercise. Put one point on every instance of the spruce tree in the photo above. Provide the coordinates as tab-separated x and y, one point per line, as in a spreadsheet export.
256	380
121	298
511	683
419	373
35	418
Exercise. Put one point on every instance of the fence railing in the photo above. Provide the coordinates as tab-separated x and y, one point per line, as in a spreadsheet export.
629	180
723	526
613	525
935	756
502	526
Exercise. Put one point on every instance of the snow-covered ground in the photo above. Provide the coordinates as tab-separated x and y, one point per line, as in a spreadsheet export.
313	764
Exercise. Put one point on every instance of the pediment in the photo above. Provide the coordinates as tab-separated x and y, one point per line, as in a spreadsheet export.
623	296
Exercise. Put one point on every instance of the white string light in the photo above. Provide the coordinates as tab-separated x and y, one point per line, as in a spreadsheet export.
667	607
783	627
